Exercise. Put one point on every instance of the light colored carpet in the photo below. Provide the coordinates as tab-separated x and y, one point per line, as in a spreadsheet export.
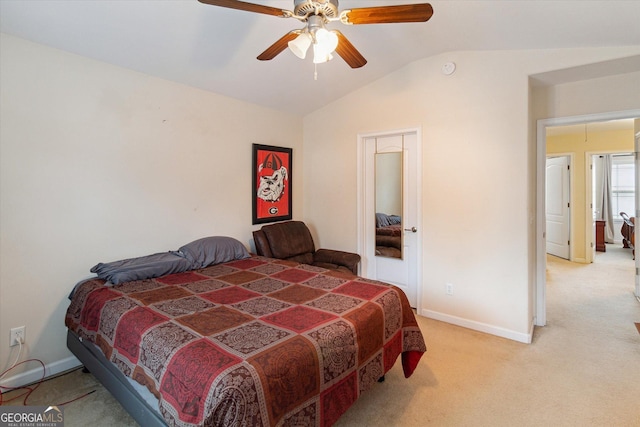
582	369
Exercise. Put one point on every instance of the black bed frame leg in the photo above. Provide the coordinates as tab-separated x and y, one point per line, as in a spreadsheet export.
381	379
85	370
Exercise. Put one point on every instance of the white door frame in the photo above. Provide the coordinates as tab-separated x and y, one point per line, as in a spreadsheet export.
365	224
540	309
636	153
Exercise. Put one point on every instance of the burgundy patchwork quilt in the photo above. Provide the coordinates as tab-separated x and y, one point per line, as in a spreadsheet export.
251	342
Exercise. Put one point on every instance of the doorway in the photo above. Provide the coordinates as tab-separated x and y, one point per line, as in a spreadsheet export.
613	192
393	258
542	125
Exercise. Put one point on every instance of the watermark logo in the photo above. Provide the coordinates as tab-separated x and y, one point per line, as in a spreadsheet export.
31	416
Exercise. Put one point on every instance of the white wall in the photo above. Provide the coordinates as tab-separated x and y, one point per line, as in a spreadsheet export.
478	175
99	163
598	95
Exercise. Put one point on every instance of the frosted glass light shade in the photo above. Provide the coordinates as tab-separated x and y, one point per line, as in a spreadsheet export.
326	42
300	45
320	55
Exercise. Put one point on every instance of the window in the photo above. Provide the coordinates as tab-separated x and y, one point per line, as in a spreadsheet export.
623	185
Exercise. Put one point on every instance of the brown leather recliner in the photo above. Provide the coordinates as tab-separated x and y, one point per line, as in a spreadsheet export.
291	240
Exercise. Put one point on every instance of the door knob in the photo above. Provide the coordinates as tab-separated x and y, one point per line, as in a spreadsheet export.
412	229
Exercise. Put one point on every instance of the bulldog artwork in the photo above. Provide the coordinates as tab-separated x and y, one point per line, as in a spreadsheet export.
272	199
271	187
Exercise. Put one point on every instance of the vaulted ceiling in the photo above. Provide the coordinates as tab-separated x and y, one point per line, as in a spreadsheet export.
215	48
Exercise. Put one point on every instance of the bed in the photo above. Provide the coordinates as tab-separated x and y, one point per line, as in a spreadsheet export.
247	341
388	235
628	232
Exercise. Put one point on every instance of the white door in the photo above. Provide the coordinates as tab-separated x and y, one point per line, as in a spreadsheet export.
403	272
557	206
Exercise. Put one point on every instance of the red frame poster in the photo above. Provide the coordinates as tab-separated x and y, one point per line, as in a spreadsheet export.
271	192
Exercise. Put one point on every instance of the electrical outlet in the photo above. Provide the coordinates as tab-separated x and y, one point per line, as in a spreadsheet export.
449	289
17	336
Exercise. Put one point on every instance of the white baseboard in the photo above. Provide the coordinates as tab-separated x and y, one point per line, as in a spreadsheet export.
34	375
479	326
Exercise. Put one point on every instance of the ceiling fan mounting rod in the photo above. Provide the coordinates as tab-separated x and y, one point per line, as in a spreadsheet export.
315	23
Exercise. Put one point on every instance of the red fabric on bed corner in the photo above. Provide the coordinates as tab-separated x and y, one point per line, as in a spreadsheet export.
410	361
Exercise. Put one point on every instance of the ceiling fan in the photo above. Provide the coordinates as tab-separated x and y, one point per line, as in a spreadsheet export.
316	14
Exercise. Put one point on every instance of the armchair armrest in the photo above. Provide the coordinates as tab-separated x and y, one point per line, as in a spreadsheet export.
262	244
345	259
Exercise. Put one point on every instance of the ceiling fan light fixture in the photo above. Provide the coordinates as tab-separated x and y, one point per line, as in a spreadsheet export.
300	45
320	55
325	42
328	40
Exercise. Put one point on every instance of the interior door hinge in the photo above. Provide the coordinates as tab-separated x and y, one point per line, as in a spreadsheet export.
568	242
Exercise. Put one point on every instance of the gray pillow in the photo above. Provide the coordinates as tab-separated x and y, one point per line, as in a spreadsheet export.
382	220
213	250
394	219
145	267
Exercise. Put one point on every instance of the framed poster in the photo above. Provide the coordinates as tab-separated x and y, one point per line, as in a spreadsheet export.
271	192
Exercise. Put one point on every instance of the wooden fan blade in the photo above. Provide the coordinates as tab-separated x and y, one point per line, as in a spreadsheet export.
249	7
280	45
420	12
348	52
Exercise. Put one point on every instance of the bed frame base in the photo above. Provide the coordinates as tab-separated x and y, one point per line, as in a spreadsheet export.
113	380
